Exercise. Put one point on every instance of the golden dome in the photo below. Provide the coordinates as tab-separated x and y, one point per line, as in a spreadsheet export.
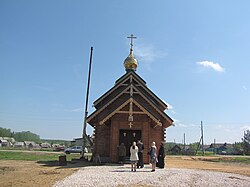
130	63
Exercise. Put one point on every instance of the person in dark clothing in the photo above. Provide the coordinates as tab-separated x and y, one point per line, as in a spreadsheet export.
140	146
161	157
122	153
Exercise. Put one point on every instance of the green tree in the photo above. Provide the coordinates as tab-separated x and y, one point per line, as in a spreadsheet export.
238	148
194	146
5	132
246	142
26	136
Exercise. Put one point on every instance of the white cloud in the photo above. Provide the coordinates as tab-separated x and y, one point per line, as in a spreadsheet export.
219	126
209	64
147	54
177	123
170	107
244	87
173	112
181	125
193	125
77	110
245	127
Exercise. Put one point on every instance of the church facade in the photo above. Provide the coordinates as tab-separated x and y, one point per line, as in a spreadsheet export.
128	112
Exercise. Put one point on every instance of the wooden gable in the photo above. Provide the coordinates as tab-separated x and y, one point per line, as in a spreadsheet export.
130	88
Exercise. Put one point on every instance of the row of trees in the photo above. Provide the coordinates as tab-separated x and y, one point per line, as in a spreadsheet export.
246	142
29	136
19	136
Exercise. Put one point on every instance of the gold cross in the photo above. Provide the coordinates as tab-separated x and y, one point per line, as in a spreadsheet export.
130	124
131	42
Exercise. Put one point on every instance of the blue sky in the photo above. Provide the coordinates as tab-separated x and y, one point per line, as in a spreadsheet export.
193	54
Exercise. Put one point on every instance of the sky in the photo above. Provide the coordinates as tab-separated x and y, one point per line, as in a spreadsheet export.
194	55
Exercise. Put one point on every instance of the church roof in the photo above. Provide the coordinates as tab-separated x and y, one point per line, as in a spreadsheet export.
140	81
120	95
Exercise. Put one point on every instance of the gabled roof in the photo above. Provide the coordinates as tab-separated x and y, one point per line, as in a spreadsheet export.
123	79
129	88
145	110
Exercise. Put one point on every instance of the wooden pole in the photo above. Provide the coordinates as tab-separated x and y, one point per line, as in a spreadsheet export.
202	139
214	147
84	134
184	142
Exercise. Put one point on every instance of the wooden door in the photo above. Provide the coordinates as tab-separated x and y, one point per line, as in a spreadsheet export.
128	137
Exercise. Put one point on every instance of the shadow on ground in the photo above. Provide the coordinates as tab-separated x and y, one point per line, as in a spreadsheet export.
73	164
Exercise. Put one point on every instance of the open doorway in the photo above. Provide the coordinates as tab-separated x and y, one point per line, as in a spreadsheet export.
128	137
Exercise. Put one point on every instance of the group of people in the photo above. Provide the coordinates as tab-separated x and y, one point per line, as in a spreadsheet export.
136	155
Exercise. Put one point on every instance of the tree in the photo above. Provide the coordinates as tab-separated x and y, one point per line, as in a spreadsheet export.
5	132
246	142
238	148
194	146
26	136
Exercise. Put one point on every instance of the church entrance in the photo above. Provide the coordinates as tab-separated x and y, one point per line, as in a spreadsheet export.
128	137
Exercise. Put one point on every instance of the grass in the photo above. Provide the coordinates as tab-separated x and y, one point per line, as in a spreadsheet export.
245	160
242	159
34	156
228	159
207	153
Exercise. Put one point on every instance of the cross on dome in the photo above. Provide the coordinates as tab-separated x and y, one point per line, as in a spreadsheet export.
130	63
131	37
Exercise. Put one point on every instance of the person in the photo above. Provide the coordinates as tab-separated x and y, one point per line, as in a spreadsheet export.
153	156
140	146
122	153
133	156
161	157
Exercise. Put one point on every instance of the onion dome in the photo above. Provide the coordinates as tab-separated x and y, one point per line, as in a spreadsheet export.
130	63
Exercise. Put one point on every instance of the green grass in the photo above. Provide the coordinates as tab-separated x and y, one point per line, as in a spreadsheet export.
207	153
228	159
34	156
245	160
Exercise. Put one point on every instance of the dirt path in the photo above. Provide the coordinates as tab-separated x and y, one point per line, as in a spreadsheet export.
30	173
199	163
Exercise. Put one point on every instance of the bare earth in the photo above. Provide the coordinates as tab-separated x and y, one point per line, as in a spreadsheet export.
204	164
29	173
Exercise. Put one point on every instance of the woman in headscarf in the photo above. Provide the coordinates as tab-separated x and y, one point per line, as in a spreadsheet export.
153	156
161	156
133	156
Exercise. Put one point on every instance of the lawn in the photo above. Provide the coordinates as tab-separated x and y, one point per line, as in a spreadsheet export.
34	156
236	159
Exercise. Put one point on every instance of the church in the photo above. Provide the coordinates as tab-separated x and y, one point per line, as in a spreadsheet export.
128	112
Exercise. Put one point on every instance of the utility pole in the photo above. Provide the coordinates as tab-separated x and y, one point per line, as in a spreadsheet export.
84	134
184	142
214	147
202	139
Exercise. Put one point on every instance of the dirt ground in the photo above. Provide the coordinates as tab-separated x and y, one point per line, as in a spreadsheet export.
206	163
30	173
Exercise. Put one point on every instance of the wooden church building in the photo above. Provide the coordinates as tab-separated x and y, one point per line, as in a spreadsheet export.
129	111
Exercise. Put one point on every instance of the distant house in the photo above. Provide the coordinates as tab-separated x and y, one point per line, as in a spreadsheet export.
221	148
78	142
7	141
4	143
19	144
45	145
30	144
175	150
55	145
58	147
